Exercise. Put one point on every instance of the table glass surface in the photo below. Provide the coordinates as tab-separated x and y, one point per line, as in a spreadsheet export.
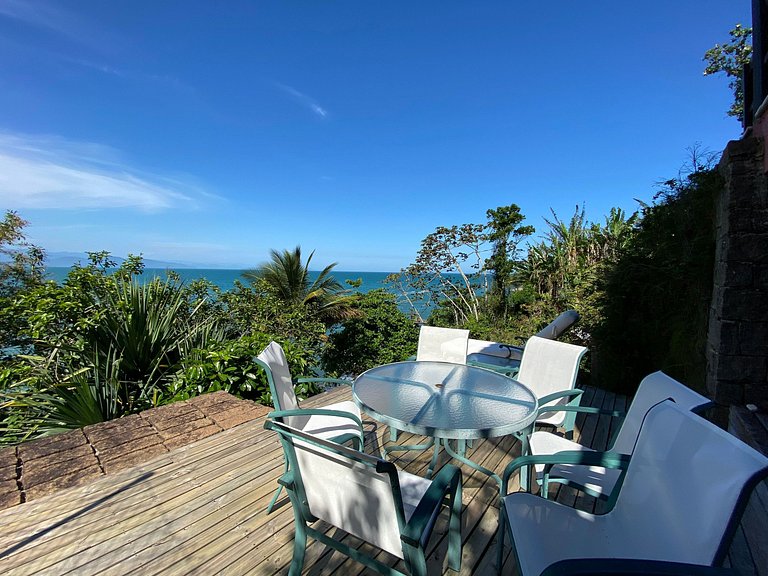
445	400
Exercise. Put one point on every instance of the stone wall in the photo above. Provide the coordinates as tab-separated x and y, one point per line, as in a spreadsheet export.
46	465
737	347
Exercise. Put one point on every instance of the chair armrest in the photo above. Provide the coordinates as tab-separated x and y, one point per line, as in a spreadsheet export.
582	410
582	457
629	567
510	371
338	381
513	352
287	479
447	480
316	412
575	392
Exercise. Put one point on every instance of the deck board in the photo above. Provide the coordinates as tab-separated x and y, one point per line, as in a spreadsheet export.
200	509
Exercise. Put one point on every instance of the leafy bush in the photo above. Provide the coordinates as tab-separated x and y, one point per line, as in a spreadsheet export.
657	296
229	366
381	335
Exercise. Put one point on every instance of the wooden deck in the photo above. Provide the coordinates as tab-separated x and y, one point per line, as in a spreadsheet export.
200	509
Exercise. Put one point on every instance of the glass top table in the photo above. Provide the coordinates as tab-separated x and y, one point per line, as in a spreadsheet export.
445	401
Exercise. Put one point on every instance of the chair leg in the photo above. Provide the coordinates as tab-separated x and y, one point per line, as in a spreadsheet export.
277	492
392	434
524	479
524	471
454	531
299	548
415	561
274	500
500	537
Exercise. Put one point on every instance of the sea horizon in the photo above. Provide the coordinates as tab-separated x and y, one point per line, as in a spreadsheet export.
224	279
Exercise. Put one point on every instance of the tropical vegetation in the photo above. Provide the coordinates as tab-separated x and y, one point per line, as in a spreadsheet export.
107	342
730	58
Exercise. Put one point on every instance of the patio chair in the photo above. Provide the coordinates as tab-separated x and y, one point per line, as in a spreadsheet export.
366	497
549	368
506	358
339	422
595	480
687	484
439	345
442	344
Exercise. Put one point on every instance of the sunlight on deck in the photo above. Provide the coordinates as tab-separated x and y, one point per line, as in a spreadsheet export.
201	509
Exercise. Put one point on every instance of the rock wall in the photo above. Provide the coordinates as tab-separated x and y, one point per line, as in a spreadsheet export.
737	347
46	465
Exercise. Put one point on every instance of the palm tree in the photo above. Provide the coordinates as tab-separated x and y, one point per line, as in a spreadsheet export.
286	277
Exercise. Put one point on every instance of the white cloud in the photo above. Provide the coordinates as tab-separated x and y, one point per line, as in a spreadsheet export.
55	173
304	100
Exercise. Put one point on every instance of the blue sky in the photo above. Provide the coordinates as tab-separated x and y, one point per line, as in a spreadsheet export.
210	132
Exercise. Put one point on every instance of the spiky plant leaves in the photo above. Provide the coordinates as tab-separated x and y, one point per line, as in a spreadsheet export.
287	277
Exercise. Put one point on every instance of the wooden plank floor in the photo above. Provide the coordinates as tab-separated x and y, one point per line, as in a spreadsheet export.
201	510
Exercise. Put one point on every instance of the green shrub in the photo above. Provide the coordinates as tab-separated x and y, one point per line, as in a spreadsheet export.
381	335
657	296
229	366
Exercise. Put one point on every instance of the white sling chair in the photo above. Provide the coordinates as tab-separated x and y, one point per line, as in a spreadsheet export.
687	484
439	345
505	358
366	497
442	344
596	480
549	368
340	422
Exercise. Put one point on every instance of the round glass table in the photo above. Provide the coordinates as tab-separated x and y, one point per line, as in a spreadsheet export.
445	401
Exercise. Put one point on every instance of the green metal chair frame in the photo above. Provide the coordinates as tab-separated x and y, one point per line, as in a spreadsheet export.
332	411
686	487
445	489
654	388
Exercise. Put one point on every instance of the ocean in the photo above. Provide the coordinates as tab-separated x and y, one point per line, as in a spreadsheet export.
225	279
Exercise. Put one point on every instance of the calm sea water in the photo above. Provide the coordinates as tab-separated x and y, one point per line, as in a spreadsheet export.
225	279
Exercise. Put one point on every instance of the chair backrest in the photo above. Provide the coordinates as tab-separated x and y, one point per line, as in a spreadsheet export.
686	488
653	389
273	360
559	325
348	489
549	366
443	344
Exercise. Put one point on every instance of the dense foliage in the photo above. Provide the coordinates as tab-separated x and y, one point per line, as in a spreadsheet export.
730	58
379	335
641	283
103	344
451	270
655	299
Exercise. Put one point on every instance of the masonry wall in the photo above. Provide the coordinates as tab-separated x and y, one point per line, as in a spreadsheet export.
737	348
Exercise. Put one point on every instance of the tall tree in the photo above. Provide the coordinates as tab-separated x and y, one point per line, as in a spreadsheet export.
730	59
21	268
505	233
21	263
287	277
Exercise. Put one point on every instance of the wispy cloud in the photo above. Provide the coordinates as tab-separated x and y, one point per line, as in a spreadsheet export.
45	15
56	173
303	99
